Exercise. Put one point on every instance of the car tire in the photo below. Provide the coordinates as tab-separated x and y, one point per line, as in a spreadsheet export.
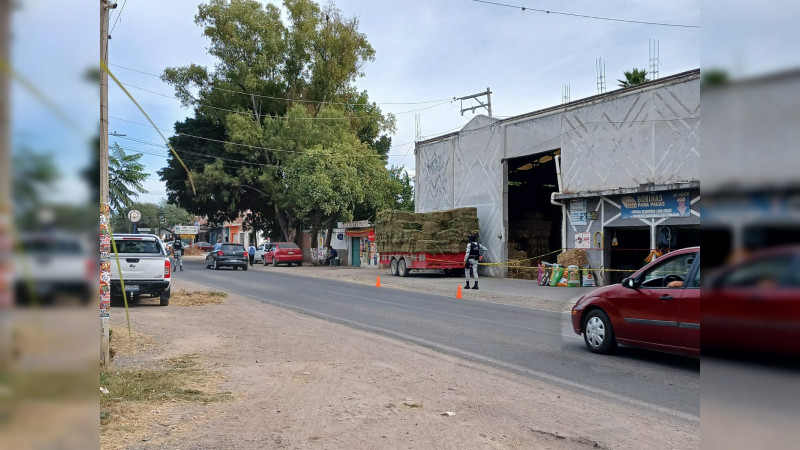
598	333
274	262
402	270
393	267
216	265
164	297
244	268
299	263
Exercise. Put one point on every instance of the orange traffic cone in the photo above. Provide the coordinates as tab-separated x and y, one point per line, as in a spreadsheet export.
378	284
458	294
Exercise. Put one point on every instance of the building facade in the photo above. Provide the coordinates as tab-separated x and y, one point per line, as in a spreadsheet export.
621	170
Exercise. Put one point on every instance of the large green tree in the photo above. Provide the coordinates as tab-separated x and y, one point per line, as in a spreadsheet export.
633	77
280	96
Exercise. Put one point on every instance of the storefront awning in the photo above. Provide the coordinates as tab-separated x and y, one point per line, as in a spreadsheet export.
361	232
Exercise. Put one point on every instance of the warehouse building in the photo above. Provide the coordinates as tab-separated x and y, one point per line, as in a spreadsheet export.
615	173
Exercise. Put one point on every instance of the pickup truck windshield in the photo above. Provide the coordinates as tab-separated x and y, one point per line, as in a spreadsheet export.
124	246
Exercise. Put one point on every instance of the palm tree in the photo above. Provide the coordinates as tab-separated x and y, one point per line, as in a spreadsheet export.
125	177
633	77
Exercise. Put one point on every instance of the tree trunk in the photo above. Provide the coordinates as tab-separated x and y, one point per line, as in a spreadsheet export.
329	234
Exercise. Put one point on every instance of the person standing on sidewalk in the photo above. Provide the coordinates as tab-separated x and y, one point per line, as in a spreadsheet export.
472	257
251	254
177	251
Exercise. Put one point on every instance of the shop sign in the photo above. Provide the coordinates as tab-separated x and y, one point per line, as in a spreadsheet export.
577	212
190	230
355	224
656	204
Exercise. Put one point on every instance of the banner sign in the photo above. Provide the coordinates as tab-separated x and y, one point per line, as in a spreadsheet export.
656	204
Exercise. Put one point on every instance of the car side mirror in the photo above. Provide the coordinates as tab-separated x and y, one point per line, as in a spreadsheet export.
629	283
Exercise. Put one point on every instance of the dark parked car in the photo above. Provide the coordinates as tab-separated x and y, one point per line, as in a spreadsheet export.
657	308
229	254
284	253
753	306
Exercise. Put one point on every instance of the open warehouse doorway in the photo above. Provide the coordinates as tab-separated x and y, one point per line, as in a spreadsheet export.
534	224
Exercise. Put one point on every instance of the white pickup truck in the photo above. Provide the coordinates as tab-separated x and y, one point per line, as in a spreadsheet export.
145	267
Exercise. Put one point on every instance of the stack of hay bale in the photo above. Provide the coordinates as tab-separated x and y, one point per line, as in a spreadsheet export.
528	238
434	232
573	257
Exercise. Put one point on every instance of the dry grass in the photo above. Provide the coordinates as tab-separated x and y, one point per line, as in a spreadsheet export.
196	298
136	397
125	342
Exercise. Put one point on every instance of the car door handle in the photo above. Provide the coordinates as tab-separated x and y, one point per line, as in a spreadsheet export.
666	297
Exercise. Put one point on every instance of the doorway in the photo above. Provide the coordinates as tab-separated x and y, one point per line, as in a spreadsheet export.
534	224
355	251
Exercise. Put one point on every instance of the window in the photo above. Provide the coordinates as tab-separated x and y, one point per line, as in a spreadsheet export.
124	246
762	273
289	245
232	247
669	269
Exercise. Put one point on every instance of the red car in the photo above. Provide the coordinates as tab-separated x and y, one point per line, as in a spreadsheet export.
754	305
203	246
657	308
284	253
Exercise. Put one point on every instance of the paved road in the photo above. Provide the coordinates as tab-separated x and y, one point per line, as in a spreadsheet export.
532	342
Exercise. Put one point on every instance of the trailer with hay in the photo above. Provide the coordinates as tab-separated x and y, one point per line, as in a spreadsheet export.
424	241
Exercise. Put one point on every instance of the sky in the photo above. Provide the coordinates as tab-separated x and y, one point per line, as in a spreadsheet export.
426	51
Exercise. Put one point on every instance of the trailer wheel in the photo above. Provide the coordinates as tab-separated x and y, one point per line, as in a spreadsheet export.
401	267
393	267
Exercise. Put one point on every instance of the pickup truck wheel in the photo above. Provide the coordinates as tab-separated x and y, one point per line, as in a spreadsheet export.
402	270
274	262
165	297
393	267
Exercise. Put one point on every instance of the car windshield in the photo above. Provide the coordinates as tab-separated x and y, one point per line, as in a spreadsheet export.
288	245
232	247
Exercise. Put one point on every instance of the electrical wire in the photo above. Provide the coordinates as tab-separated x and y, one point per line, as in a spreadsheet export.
250	113
585	16
118	14
300	100
205	138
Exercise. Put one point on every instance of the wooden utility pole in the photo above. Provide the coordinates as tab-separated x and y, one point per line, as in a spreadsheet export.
105	262
6	270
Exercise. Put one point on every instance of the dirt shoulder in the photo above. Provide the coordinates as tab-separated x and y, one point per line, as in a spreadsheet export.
299	382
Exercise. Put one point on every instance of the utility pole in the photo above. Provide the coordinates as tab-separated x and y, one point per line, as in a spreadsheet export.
487	105
6	270
105	235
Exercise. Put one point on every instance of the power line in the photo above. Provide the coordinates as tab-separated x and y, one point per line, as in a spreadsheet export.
284	117
118	14
299	100
210	139
585	16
